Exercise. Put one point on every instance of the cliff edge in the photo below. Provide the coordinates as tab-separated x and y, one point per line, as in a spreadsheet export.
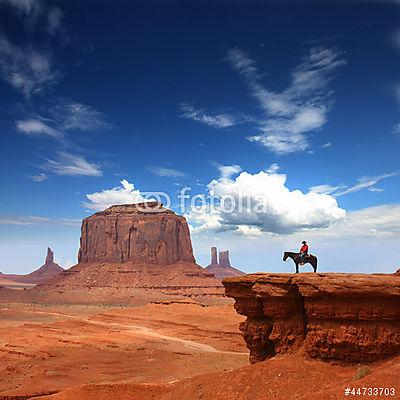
350	317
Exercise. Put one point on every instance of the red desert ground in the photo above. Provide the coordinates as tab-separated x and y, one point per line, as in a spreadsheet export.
138	319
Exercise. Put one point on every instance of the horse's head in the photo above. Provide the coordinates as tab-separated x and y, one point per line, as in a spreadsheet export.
285	256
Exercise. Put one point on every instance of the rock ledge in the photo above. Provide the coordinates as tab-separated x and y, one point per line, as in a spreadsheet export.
350	317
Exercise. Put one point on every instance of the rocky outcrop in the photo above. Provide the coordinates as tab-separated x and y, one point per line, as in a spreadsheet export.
138	246
138	233
350	317
222	268
214	256
224	259
47	271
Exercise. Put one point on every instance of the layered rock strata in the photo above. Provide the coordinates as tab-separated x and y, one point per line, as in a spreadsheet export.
350	317
138	246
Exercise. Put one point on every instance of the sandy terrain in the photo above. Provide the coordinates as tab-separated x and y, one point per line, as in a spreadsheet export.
46	349
172	351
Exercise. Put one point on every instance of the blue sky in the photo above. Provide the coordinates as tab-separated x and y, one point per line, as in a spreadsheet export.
295	102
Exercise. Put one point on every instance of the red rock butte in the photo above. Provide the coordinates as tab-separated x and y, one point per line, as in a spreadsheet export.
139	245
349	317
47	271
222	268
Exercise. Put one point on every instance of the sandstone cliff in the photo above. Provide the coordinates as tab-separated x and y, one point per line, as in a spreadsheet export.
137	233
138	246
47	271
351	317
222	268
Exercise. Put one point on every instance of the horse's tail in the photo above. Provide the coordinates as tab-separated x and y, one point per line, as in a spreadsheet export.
315	263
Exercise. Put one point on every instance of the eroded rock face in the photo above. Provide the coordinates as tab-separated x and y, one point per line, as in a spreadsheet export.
351	317
151	234
137	246
222	268
224	258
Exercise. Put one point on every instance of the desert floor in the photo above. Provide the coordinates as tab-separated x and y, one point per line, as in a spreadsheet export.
47	348
178	351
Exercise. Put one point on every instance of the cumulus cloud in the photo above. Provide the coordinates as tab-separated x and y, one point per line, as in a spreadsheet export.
214	120
226	171
72	165
302	108
36	127
166	172
124	194
264	202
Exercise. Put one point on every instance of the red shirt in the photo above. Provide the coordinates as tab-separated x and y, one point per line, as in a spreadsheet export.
304	249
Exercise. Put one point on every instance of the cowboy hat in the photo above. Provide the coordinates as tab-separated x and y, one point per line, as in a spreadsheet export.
304	242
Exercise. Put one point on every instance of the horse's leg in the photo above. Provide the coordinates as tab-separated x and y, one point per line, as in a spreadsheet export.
315	267
297	268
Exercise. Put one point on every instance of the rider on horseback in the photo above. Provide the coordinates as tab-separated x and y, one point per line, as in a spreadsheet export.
303	251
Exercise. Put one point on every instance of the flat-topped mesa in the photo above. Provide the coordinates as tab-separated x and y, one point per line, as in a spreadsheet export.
350	317
139	233
136	208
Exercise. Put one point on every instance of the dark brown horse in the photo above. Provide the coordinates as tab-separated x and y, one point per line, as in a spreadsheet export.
301	260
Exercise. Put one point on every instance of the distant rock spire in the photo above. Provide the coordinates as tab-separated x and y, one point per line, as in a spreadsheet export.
50	256
214	259
224	259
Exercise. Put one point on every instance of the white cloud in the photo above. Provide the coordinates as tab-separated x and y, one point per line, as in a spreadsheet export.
249	231
34	220
326	145
273	168
19	220
326	189
72	115
72	165
166	172
125	194
377	221
39	177
213	120
366	182
26	69
263	201
291	115
226	171
36	127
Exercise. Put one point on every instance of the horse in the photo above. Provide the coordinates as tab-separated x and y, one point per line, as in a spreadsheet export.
301	260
